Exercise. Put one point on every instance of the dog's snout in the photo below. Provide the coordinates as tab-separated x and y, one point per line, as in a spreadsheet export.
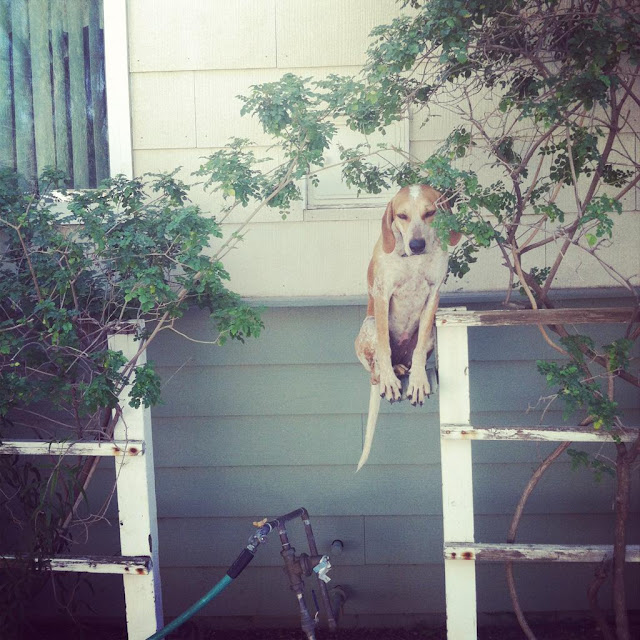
417	245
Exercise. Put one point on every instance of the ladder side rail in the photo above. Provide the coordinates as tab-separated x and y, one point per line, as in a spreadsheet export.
457	481
137	511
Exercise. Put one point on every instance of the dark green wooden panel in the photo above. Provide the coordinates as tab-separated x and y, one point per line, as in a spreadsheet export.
275	390
98	91
376	590
7	146
23	95
372	540
58	54
319	389
41	83
78	95
334	440
376	490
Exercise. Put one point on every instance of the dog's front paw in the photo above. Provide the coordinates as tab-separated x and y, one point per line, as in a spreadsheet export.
390	386
419	387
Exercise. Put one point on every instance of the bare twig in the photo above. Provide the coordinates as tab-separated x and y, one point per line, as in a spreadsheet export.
511	535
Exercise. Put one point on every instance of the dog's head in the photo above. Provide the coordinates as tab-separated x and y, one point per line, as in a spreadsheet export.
407	220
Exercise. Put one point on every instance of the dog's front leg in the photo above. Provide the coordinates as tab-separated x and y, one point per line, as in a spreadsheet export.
390	386
419	387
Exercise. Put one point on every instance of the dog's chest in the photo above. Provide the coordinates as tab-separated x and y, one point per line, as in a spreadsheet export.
410	282
406	304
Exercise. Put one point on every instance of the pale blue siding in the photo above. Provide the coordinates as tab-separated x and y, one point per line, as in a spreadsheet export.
254	430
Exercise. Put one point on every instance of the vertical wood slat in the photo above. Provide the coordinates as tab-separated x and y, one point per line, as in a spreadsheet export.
41	84
78	102
61	109
137	513
7	147
98	97
23	97
457	481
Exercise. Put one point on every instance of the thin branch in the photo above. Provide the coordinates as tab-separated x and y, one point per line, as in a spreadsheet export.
513	529
34	278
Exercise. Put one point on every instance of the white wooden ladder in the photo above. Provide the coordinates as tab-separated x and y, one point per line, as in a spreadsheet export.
132	450
461	552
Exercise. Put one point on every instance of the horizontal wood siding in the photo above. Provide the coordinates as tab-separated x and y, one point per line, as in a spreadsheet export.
189	63
254	430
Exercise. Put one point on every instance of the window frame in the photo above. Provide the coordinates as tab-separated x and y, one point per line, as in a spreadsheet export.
350	208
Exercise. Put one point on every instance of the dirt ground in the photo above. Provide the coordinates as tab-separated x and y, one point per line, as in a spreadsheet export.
574	630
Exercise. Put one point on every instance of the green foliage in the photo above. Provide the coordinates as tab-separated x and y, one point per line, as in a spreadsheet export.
145	389
70	275
554	69
580	393
291	110
581	459
232	171
618	354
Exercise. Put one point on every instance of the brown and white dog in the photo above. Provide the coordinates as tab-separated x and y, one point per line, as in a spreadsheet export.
405	274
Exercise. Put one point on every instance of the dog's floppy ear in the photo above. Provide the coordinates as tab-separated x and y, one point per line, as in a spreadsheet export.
388	239
454	238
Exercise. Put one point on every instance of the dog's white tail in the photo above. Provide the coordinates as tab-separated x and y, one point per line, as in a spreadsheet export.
374	408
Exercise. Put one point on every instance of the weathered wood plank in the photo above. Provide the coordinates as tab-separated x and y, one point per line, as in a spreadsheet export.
60	107
22	92
545	434
42	448
98	92
7	146
125	565
77	89
41	84
488	552
533	316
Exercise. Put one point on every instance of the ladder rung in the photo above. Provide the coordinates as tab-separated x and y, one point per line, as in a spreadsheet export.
503	552
42	448
538	433
125	565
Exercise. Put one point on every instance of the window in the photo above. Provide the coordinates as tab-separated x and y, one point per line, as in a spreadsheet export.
53	109
331	193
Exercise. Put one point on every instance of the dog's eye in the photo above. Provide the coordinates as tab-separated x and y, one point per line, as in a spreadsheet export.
428	214
403	216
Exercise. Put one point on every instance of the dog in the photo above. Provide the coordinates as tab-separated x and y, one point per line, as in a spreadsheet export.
407	269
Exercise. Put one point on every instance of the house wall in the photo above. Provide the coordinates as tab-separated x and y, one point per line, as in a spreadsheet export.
254	430
257	430
189	60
